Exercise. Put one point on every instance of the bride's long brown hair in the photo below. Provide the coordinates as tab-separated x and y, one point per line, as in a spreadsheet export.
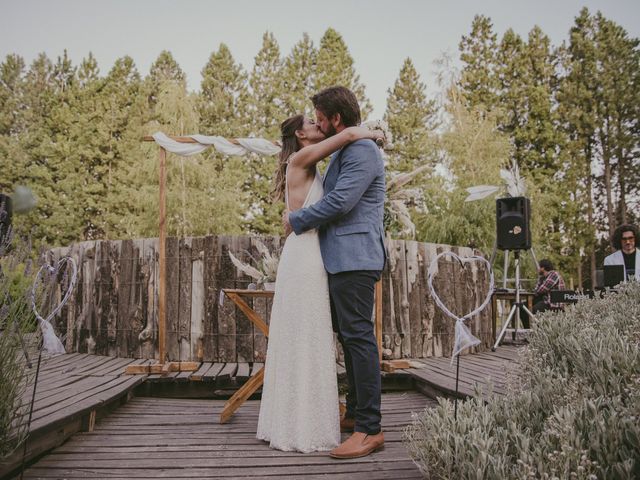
290	145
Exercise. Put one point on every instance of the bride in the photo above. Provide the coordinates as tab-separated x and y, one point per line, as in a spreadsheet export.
299	407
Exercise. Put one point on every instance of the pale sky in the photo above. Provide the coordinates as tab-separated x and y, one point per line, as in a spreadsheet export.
379	34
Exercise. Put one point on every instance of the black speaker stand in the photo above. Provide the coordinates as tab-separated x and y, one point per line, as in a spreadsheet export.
505	269
514	313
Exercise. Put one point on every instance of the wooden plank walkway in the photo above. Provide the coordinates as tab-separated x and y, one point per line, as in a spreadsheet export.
179	438
487	370
72	391
75	389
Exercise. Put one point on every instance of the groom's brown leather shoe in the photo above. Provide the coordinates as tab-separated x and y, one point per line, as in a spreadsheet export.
347	424
358	445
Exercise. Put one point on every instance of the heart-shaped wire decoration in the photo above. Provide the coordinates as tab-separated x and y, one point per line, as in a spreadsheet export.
463	336
50	342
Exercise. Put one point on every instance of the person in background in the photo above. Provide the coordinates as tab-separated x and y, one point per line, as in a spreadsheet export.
624	241
548	279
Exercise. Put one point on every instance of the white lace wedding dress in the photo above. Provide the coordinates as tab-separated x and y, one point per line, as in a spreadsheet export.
299	407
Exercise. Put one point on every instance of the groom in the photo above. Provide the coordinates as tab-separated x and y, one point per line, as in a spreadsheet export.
349	219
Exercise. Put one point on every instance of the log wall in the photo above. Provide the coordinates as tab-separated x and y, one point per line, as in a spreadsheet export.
114	308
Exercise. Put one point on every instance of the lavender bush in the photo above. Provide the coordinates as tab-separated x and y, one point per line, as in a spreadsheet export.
572	410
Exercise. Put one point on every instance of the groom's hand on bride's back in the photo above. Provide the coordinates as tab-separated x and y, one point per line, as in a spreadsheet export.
285	223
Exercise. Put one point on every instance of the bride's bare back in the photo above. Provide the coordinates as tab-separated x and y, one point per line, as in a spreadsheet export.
299	181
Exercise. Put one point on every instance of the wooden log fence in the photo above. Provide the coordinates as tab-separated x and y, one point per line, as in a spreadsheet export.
114	309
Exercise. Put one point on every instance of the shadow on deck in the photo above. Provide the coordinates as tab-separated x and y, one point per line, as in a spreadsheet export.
121	430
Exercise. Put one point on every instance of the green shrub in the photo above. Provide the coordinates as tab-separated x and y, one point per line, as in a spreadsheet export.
16	318
572	410
17	279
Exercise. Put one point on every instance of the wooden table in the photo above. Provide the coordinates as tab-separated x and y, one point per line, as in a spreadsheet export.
256	381
509	296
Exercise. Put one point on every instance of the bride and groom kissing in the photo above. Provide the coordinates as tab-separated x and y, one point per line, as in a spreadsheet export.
328	268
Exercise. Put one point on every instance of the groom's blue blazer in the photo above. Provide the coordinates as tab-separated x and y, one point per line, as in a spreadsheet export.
349	216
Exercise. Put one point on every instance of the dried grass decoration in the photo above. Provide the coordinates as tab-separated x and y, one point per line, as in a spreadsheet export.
267	266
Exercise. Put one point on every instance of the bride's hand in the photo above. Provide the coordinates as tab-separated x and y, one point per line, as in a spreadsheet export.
378	137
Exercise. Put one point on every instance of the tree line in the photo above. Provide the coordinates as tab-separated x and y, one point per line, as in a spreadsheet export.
567	114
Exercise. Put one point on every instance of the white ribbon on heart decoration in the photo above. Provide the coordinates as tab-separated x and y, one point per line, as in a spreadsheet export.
50	342
463	336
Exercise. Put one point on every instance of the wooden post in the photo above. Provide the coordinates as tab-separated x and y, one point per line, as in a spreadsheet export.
378	327
161	367
162	319
162	275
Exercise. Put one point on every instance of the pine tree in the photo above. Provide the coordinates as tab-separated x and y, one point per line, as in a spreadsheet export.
124	111
54	171
24	157
540	141
478	82
86	137
38	91
222	102
618	108
411	119
335	66
298	75
577	109
538	136
12	122
509	67
526	90
164	69
11	95
266	89
266	109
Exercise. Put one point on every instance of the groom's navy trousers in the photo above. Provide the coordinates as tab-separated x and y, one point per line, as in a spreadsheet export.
352	296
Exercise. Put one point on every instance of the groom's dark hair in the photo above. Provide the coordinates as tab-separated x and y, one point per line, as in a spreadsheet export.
340	100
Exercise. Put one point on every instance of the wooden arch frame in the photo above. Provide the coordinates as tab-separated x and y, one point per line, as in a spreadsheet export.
162	319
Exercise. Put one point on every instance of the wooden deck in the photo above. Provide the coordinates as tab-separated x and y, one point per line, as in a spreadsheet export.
168	437
73	391
179	438
487	370
435	377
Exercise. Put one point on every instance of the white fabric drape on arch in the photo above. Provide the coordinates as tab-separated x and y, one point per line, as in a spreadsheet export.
221	144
